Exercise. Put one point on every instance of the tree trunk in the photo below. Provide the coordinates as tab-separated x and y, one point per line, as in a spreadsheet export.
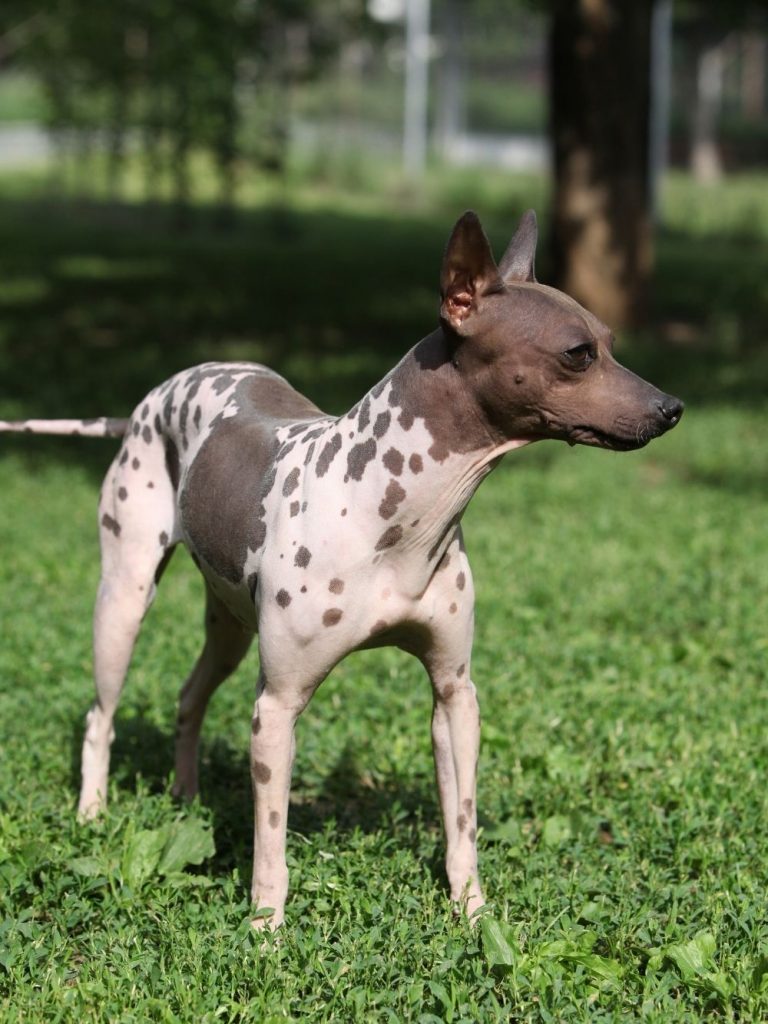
599	73
706	164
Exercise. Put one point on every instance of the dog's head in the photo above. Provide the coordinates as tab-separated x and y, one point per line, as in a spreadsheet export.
538	364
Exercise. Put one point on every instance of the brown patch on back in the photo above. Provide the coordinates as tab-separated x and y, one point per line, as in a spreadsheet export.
283	598
461	581
221	507
416	463
336	586
261	772
332	616
274	819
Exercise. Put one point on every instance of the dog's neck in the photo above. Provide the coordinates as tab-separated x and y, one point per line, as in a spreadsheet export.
434	450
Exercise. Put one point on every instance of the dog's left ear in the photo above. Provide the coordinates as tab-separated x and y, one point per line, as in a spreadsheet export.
469	273
517	262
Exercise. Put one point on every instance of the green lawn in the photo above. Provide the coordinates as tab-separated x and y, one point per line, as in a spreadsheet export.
620	655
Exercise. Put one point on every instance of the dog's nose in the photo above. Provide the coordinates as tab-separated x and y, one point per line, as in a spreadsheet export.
670	408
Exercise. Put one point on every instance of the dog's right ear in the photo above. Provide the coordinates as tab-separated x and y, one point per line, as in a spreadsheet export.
469	273
518	261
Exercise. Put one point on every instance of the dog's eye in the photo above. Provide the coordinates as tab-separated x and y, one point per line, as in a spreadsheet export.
580	356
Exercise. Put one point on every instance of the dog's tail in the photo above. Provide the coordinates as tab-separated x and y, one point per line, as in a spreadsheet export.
103	426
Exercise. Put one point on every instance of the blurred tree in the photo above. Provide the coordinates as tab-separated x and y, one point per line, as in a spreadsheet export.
170	78
599	71
600	105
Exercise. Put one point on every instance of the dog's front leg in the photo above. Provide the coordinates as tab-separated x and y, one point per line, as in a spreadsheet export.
272	752
455	723
456	743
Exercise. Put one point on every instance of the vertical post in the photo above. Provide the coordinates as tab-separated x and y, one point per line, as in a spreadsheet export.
416	87
661	73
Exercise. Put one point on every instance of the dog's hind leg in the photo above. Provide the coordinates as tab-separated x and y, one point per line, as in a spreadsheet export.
137	536
226	643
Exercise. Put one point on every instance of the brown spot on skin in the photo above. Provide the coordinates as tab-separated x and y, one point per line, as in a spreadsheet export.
302	558
122	493
358	458
461	822
416	463
447	692
343	511
145	411
123	457
147	434
283	598
461	581
164	539
444	562
291	482
328	454
110	524
255	726
393	495
467	805
150	484
336	586
378	626
274	819
261	772
365	414
393	460
389	538
454	608
303	590
415	523
332	616
472	835
295	506
405	419
381	426
460	670
136	464
136	429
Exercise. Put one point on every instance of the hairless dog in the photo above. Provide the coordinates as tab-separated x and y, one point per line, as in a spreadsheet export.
329	534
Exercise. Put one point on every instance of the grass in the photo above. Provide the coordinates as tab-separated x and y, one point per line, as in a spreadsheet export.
620	654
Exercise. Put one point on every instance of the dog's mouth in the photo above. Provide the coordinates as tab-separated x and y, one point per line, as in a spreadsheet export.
594	438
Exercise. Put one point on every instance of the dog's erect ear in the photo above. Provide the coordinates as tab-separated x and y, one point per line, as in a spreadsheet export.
517	262
469	273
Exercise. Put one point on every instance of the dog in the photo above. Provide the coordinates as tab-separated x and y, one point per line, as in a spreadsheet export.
328	534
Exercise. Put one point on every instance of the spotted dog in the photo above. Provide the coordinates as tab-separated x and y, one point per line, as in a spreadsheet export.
329	534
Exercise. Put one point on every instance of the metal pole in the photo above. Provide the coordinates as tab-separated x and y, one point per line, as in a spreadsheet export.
416	87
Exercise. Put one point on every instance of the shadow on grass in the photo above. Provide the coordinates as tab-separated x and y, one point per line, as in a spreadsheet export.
345	795
99	303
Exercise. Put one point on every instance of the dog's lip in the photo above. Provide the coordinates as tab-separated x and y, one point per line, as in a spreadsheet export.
594	438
